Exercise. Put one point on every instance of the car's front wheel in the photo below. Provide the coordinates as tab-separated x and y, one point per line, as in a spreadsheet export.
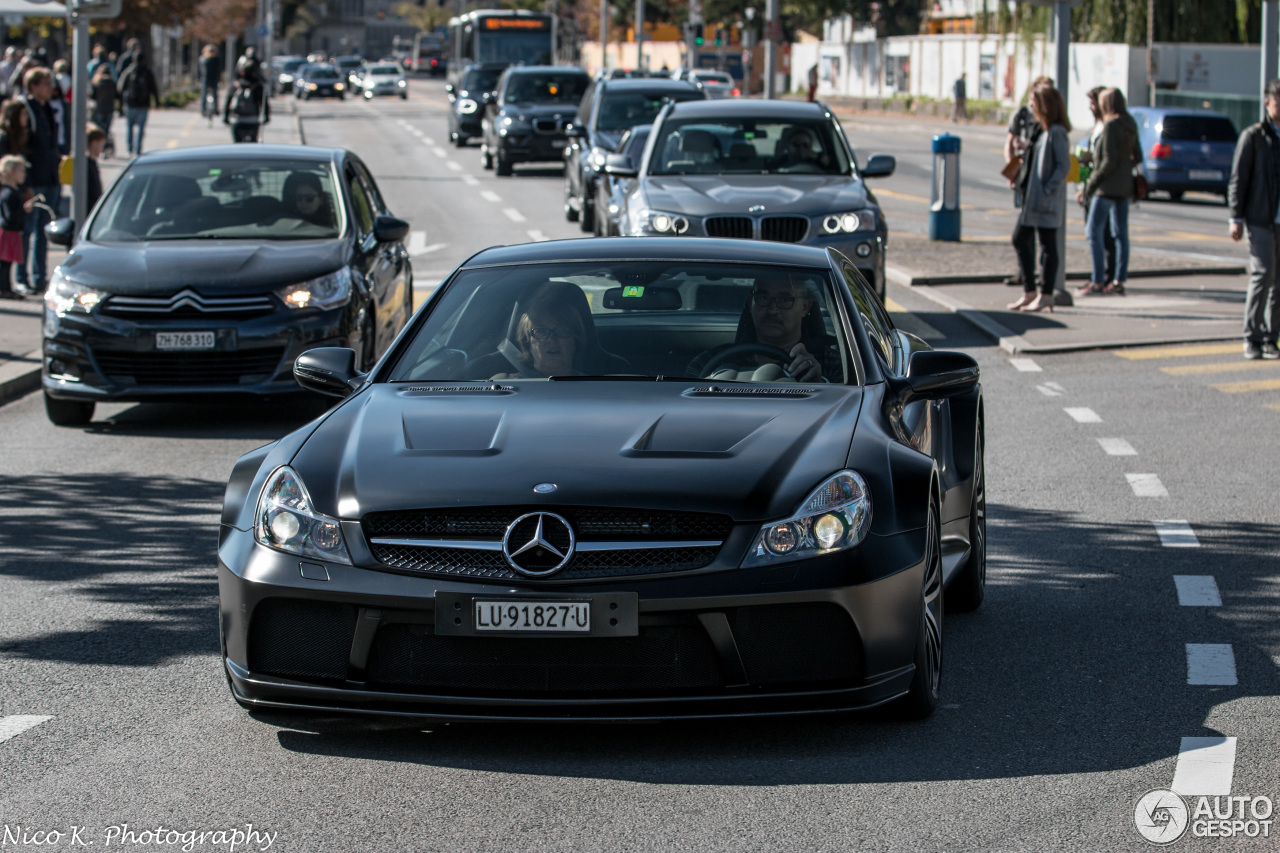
969	586
586	211
922	697
570	214
502	165
67	413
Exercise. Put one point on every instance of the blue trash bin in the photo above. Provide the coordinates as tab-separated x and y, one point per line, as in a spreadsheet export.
944	194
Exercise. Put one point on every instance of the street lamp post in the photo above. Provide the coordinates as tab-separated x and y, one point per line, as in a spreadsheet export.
604	34
771	27
639	35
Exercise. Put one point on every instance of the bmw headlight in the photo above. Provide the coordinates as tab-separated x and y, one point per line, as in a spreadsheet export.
327	291
659	222
67	297
467	106
286	522
847	223
836	516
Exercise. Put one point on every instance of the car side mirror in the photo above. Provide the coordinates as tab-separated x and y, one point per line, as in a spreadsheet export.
328	370
61	232
938	374
389	229
879	166
620	166
575	131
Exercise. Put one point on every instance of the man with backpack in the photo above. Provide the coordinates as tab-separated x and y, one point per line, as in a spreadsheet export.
247	108
138	91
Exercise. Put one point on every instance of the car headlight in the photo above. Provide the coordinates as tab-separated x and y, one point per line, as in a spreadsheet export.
286	522
466	106
401	83
66	297
847	223
659	222
836	516
338	86
324	292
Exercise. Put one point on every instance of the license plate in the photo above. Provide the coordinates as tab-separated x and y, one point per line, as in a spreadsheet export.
185	340
533	616
559	143
1204	175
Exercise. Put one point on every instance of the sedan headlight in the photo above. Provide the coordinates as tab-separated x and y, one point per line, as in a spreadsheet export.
660	222
327	291
847	223
338	86
286	522
67	297
466	106
401	83
836	516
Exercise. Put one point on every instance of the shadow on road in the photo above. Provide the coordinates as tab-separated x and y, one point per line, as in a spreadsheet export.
226	419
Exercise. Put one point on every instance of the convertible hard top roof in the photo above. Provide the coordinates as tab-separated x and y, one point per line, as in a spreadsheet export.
653	249
245	152
749	107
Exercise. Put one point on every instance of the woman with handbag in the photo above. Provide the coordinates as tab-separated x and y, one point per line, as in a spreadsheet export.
1108	190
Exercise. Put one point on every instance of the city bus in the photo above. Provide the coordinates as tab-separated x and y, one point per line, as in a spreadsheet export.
429	54
490	35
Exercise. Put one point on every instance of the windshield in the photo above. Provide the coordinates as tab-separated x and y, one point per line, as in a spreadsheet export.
481	79
624	110
352	62
380	70
293	65
322	72
629	319
233	200
748	146
549	88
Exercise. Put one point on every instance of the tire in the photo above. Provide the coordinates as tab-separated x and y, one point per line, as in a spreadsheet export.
570	215
922	697
404	96
502	166
486	159
68	413
586	214
1175	195
969	586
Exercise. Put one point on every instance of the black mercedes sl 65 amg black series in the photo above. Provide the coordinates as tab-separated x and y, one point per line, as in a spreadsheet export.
615	479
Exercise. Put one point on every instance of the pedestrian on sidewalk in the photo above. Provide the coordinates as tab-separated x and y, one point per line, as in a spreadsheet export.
1023	132
1115	153
99	60
138	91
14	207
247	108
7	67
1254	199
813	82
43	158
95	142
132	49
959	101
15	127
210	73
103	95
1045	200
1084	153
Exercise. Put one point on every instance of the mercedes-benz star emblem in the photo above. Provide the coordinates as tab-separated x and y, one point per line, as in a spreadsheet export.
538	544
755	208
544	488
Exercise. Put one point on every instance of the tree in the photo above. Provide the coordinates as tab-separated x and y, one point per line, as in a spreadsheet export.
1226	21
214	20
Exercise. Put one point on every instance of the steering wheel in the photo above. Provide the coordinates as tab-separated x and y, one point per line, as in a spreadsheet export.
738	351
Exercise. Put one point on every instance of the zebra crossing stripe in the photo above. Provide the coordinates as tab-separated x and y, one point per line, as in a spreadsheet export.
13	726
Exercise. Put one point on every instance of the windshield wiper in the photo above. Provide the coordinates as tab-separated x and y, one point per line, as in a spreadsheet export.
619	377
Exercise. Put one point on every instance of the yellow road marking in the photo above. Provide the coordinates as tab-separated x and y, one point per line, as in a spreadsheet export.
1178	352
1255	385
1218	367
1275	407
173	143
894	306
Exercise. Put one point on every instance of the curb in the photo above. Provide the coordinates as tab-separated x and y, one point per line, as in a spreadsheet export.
19	386
994	278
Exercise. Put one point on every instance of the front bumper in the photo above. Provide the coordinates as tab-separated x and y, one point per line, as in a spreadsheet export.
468	124
381	89
817	636
532	147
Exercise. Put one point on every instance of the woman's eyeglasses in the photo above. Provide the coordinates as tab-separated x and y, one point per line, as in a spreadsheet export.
544	335
762	299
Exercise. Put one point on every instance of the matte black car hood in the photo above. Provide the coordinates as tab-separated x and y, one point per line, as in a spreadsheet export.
654	445
211	266
704	195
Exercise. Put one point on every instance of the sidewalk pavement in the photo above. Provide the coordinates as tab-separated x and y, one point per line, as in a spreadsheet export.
20	333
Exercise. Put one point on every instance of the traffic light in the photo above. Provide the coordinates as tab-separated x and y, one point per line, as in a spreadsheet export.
719	36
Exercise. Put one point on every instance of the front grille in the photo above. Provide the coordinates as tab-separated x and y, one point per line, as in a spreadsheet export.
187	302
660	658
189	368
784	229
737	227
797	643
301	639
546	125
585	565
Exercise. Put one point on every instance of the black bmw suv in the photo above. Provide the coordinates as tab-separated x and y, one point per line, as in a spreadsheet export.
525	121
609	109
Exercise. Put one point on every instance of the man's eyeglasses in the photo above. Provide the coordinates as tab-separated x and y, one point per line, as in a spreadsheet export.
762	299
544	335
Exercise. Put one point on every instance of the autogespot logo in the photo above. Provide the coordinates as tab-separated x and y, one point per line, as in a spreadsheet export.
1161	816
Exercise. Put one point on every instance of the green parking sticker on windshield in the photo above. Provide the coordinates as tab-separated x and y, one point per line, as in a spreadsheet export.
632	291
215	171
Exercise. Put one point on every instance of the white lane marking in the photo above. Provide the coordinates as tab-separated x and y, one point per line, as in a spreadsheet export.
1197	591
439	152
1083	416
1117	447
1051	389
513	214
1176	533
426	250
1205	766
1211	663
417	239
490	195
537	236
16	725
1147	485
455	165
471	180
1025	365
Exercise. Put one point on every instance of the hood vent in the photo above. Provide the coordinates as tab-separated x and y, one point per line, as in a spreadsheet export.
459	389
750	391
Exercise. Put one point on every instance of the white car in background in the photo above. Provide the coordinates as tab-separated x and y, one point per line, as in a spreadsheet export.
718	84
384	78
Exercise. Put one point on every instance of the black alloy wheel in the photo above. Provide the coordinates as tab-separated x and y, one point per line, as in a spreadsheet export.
969	586
68	413
922	697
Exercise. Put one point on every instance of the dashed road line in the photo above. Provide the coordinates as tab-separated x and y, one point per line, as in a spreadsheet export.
513	214
1219	367
1211	664
1051	389
490	195
1197	591
1025	365
1176	533
1147	485
1178	352
15	725
1083	415
1205	767
471	180
1255	385
1117	447
455	165
440	152
537	236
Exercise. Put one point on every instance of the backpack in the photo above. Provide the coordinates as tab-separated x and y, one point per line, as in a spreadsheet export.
242	105
136	91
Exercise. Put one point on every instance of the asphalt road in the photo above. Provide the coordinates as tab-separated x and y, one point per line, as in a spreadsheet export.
1066	697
